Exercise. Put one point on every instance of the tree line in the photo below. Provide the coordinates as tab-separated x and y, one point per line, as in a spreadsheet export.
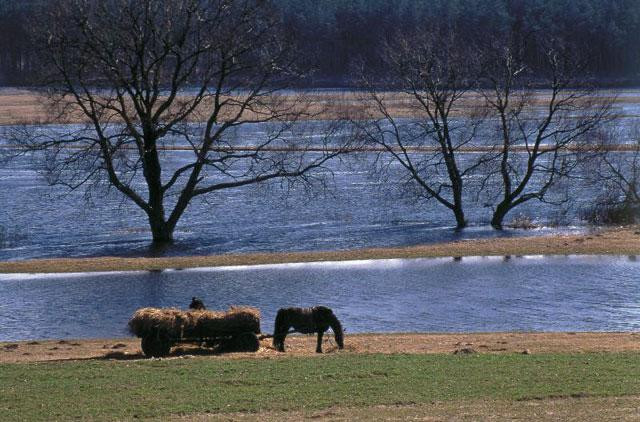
338	33
333	36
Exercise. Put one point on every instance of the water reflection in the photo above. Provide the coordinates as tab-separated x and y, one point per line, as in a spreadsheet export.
423	295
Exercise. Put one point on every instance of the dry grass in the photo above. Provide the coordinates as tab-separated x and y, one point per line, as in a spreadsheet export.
304	346
576	409
18	107
29	107
199	323
618	241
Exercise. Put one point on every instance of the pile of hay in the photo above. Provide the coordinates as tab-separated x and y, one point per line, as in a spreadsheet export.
196	323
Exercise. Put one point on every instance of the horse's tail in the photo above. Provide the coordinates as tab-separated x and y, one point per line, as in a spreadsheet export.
280	329
334	323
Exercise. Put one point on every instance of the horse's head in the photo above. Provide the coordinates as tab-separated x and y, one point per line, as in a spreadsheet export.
338	333
330	318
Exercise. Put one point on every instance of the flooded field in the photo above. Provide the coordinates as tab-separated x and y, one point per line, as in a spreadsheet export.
354	210
351	209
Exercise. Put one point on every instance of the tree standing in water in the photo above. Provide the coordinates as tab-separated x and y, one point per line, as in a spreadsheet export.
542	119
434	75
151	76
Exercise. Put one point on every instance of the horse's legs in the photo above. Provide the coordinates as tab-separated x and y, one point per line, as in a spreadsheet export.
279	336
280	346
278	339
319	346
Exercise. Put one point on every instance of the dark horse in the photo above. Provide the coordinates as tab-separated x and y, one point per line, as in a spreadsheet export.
306	320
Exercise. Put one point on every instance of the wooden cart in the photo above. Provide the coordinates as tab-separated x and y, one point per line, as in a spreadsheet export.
236	330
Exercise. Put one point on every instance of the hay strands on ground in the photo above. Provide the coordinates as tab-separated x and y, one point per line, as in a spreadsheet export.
160	329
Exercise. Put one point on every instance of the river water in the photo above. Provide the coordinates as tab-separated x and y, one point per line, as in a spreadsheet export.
423	295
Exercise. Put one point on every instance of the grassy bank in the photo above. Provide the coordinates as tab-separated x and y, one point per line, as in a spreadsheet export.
622	241
109	390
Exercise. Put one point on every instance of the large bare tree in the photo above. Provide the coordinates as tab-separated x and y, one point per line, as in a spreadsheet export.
426	126
152	76
541	119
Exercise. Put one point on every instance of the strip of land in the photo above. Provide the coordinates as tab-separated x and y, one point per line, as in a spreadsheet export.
304	346
29	107
616	241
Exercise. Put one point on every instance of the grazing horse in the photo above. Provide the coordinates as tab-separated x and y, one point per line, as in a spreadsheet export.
306	320
197	304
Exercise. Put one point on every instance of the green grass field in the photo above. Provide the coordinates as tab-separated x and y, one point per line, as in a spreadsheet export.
108	390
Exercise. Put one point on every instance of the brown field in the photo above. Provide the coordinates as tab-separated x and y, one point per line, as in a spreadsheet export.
298	345
29	107
618	241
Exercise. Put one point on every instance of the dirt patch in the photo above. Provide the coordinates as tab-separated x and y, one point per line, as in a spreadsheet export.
525	343
556	409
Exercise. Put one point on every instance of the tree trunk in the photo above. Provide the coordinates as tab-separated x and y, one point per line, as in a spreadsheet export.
461	223
161	231
499	214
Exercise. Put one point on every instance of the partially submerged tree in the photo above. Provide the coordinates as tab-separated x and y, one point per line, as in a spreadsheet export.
152	76
434	76
541	121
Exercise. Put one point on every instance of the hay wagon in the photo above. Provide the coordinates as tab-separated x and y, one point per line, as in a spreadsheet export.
233	331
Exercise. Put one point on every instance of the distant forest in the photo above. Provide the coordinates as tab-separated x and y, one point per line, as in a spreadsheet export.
333	36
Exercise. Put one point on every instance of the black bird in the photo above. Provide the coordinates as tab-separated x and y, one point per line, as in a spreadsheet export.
197	304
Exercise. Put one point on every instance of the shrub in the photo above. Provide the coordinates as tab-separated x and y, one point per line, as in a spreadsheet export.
611	212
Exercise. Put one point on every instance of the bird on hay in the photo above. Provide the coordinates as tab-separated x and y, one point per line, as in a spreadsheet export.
197	304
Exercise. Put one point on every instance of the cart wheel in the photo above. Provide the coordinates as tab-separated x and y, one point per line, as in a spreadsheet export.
245	342
155	345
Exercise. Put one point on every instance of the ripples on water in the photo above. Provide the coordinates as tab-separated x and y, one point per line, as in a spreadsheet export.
424	295
41	221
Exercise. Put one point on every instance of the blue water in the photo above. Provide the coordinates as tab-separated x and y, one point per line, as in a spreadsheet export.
353	210
424	295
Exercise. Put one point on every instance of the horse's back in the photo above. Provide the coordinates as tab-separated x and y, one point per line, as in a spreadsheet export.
301	319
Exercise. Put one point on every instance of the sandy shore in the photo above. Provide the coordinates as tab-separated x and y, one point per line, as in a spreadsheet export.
619	241
528	343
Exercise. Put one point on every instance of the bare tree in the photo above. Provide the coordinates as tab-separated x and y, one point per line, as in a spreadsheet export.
152	76
537	132
614	165
434	76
